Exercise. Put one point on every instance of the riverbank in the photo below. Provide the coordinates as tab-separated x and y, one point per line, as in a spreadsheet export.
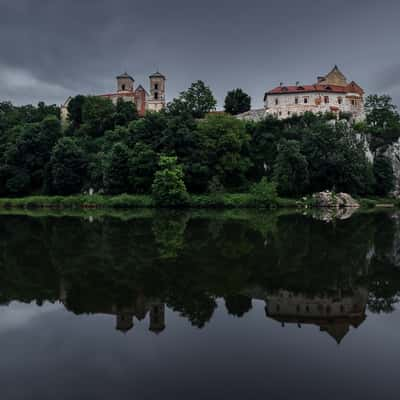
124	201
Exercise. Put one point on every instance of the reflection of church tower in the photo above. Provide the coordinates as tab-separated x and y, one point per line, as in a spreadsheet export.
124	322
157	318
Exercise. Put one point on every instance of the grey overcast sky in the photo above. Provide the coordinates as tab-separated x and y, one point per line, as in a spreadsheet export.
50	49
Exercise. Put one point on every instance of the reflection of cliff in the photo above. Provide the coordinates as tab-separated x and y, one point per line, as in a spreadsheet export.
333	314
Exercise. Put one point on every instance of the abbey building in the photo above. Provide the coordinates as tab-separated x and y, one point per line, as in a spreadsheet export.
331	93
154	100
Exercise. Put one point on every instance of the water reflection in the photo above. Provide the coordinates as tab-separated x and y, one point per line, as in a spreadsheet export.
305	270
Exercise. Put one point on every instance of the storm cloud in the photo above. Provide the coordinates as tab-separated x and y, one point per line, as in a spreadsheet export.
50	49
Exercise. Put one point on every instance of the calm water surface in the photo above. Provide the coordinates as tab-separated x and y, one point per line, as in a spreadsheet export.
200	305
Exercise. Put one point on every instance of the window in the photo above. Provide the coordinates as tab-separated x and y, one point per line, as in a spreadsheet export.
340	100
353	102
288	113
296	100
280	113
123	87
156	96
305	100
276	102
326	99
156	86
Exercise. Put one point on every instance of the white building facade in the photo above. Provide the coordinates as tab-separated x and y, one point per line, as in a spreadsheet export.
332	93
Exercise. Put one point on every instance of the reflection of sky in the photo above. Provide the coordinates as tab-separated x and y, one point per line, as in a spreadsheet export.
47	352
18	315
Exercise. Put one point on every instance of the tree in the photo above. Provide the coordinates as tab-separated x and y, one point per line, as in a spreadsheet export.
381	112
67	167
384	177
237	102
126	112
291	169
144	163
75	110
198	100
98	116
265	193
222	147
336	159
168	187
117	168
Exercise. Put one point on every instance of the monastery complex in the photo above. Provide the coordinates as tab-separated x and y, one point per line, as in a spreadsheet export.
331	93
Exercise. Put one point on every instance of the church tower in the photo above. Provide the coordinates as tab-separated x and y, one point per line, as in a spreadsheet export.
157	92
125	83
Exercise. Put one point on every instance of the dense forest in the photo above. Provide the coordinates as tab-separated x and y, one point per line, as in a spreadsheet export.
188	148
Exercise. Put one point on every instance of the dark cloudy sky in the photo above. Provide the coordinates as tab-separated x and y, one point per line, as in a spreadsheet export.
50	49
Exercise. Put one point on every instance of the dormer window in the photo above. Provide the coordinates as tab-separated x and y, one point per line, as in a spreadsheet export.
328	88
300	88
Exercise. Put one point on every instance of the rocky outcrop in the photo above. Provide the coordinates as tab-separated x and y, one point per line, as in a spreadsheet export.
392	152
329	199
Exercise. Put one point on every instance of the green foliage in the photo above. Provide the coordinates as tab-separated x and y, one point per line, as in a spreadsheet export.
265	193
169	188
384	177
222	150
126	112
291	169
143	166
381	112
237	102
198	100
75	107
112	150
98	116
117	170
67	167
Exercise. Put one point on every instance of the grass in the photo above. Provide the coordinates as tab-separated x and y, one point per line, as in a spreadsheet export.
125	201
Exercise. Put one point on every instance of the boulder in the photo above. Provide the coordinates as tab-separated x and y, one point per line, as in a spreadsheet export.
329	199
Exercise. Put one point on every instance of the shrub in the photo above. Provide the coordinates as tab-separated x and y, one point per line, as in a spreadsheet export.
265	193
168	188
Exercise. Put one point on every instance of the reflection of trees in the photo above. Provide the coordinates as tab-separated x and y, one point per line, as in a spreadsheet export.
188	260
238	305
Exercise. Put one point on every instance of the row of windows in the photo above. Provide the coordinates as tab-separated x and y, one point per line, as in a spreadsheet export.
306	100
320	308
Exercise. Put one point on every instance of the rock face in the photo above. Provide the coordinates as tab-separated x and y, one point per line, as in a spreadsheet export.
392	152
329	199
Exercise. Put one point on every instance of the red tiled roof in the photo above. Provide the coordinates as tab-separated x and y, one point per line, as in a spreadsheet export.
352	87
119	94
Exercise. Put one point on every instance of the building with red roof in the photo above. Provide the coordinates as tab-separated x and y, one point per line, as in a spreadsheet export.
331	93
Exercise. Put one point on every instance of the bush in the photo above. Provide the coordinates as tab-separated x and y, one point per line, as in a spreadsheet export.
168	188
265	193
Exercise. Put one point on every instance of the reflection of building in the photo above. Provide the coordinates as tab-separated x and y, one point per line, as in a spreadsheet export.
333	314
139	308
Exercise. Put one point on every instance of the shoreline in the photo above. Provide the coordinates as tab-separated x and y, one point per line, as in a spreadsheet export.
218	201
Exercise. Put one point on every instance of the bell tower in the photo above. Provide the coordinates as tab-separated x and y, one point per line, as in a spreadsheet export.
125	83
157	91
